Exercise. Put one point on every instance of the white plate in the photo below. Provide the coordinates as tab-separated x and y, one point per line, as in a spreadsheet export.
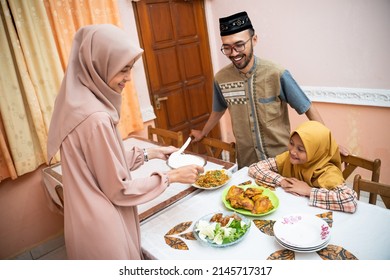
227	172
180	160
300	250
302	231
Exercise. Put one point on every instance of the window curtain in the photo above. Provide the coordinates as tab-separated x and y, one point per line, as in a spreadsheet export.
7	168
35	41
30	76
66	17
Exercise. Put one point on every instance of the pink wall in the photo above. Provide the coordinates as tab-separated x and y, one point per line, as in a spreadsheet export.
25	218
327	43
363	130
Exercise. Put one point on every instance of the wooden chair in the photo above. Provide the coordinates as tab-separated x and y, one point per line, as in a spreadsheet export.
165	136
351	162
60	193
215	147
376	188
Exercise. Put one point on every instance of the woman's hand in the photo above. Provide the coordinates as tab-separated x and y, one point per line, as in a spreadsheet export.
295	186
161	152
186	174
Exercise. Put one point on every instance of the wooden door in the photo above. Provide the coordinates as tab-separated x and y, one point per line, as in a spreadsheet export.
174	37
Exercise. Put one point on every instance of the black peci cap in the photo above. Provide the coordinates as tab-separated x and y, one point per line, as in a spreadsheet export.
234	24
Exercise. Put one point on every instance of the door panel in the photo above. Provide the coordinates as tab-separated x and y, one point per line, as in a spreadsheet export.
177	60
168	66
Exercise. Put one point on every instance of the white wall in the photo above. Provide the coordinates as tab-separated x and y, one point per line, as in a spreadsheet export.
128	21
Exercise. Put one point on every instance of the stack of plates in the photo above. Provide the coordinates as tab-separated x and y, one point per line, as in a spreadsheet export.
302	233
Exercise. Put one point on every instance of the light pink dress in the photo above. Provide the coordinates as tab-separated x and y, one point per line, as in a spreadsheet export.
101	219
100	197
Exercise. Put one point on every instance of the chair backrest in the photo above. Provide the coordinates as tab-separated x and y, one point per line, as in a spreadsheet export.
376	188
215	147
165	136
60	193
351	162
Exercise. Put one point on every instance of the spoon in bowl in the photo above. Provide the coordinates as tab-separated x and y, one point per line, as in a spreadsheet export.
181	150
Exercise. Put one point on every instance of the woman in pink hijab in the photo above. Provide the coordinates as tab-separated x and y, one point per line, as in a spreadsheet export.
101	198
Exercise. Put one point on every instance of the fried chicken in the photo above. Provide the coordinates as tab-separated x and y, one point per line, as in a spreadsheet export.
234	191
241	201
252	199
219	218
262	204
216	218
251	192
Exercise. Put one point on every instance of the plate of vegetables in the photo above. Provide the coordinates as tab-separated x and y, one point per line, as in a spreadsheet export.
221	229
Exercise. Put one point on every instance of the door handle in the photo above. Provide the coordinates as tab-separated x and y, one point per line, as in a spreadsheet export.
157	101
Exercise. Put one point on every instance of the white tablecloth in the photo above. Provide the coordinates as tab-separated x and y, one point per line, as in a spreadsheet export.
364	234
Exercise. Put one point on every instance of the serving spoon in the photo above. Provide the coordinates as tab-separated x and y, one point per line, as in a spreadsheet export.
181	150
178	159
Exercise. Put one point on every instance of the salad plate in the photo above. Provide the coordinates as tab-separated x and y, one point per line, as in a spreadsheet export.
216	233
213	179
267	192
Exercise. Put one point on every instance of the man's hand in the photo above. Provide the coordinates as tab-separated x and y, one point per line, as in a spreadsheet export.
196	135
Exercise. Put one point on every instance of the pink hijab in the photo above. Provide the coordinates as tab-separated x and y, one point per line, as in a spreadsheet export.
98	53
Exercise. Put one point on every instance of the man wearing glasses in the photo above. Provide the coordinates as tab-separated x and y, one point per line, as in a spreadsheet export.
256	92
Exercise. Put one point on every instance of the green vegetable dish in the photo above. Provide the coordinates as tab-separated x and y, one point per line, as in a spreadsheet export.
221	229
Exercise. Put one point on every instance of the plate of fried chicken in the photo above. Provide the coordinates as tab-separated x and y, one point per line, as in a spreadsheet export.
250	200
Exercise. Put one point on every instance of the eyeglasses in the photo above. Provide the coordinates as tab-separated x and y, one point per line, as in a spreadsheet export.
238	47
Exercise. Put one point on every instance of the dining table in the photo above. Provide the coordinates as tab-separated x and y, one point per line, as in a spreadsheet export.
167	222
169	233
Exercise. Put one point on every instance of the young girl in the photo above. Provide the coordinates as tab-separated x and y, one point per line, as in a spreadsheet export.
311	167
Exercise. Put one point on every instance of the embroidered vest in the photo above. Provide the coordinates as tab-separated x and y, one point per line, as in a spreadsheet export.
260	118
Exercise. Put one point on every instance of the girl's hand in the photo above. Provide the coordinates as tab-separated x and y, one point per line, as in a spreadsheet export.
296	187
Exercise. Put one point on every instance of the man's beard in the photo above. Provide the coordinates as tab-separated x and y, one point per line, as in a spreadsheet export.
244	64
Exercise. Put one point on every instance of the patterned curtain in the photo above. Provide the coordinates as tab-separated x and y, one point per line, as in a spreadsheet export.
30	76
66	17
35	41
7	168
